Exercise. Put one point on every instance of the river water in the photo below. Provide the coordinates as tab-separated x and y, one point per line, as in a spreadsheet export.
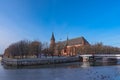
69	71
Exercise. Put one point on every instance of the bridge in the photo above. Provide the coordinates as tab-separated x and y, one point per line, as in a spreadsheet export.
103	56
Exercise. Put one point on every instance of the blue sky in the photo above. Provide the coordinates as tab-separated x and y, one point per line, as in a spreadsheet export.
96	20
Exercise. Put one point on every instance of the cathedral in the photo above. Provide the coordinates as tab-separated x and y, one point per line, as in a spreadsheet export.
69	47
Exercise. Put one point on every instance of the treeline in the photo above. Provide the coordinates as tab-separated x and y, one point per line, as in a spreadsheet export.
35	49
98	48
26	49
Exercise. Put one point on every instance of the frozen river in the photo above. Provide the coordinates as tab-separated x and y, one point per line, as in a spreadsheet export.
71	71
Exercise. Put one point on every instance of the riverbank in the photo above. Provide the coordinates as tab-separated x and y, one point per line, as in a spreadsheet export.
38	61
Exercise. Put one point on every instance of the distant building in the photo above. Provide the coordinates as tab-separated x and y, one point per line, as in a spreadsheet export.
68	47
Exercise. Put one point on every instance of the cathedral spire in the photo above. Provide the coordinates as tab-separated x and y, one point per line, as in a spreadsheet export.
67	41
67	38
53	38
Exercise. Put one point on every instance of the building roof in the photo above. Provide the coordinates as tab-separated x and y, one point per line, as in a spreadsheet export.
73	41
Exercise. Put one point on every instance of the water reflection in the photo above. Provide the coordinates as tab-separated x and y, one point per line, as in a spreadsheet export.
69	71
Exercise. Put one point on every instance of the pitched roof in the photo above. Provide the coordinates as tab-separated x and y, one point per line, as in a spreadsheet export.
73	41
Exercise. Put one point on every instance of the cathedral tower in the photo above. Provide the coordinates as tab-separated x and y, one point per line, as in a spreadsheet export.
52	41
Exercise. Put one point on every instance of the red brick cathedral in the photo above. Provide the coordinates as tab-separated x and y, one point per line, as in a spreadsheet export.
68	47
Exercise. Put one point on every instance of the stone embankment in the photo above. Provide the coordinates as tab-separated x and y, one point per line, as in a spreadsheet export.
39	61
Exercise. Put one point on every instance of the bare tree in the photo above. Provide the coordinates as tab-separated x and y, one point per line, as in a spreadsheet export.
45	49
59	49
36	48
